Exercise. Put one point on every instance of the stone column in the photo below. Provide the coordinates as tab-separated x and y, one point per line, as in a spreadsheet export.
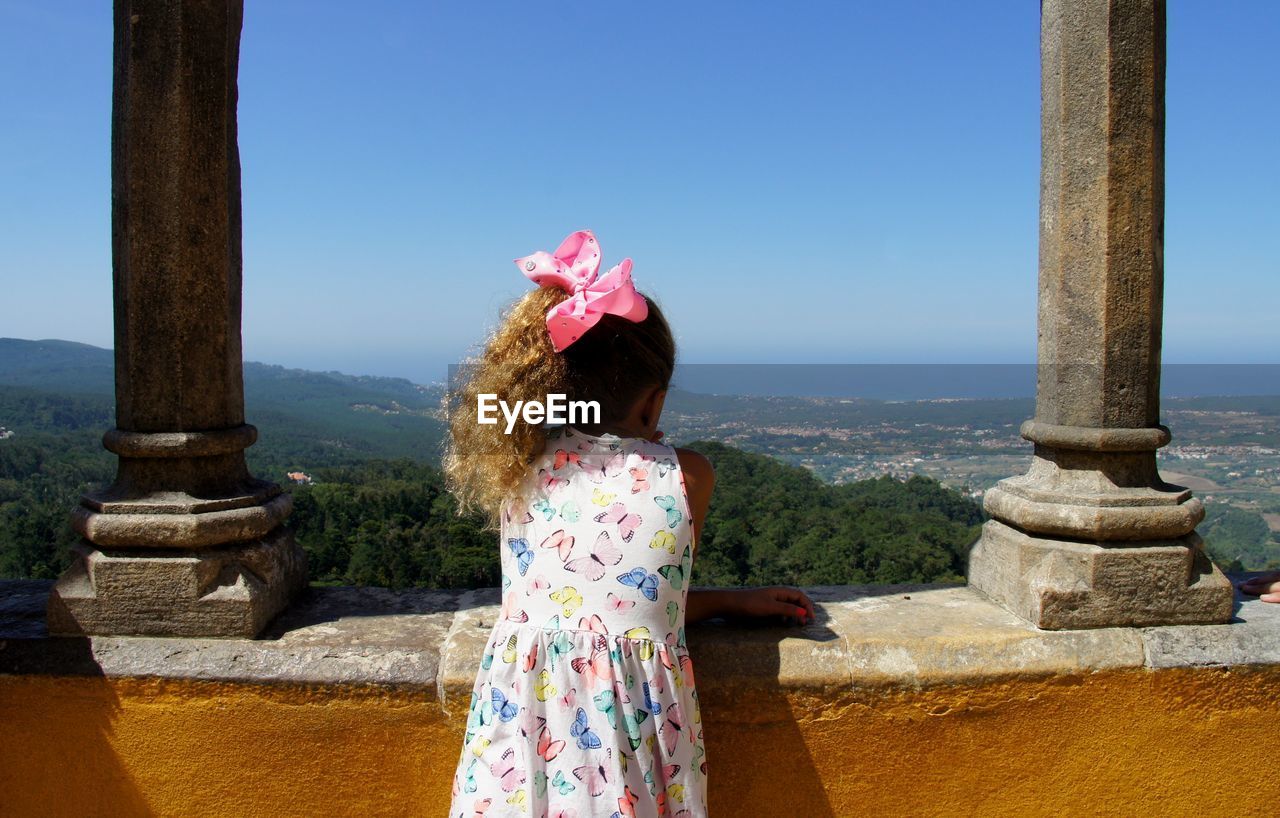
185	541
1091	536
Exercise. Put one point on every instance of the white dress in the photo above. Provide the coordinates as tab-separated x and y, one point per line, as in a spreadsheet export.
584	704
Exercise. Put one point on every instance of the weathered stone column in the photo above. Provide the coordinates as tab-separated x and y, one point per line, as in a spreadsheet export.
185	541
1091	536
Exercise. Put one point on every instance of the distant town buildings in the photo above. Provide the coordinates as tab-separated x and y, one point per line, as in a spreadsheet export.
5	433
299	477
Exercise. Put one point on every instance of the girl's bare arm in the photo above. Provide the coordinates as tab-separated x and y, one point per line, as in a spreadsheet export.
704	603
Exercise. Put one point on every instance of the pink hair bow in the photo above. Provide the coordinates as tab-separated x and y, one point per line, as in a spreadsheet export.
573	268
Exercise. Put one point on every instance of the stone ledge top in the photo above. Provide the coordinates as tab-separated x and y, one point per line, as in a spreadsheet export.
864	637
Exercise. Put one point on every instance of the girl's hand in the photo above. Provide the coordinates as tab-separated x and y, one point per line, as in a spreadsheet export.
1265	587
792	604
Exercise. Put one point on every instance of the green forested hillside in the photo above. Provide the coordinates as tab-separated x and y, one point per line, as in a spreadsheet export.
306	418
303	417
377	513
57	397
773	523
391	523
55	454
42	476
1239	540
57	366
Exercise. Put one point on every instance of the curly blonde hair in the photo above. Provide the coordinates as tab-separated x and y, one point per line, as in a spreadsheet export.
613	363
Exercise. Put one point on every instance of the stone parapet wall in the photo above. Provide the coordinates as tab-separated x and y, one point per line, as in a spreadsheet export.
896	700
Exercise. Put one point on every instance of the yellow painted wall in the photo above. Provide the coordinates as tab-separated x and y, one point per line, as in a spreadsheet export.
1175	742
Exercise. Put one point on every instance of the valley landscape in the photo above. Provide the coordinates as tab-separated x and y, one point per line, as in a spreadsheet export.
810	489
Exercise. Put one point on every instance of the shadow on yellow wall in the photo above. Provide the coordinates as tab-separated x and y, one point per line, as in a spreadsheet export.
1169	742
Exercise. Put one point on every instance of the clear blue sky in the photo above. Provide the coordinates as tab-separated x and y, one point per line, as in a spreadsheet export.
836	181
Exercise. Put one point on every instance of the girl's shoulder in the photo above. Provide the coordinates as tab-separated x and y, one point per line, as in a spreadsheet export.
696	466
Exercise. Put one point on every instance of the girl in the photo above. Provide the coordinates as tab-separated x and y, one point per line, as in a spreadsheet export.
584	704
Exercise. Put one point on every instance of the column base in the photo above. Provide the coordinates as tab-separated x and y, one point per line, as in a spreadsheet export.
232	591
1068	584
